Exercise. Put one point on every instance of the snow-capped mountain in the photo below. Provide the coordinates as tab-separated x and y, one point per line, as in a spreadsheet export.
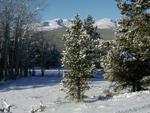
67	22
52	24
105	23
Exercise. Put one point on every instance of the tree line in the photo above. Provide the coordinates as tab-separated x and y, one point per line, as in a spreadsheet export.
21	47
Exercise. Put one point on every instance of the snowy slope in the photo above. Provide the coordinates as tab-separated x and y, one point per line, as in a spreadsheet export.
29	92
55	24
63	23
105	23
67	22
52	24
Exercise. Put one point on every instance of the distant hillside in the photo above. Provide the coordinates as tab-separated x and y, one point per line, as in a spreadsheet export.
107	34
55	37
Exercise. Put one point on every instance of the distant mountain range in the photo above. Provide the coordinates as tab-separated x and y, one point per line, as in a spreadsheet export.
57	23
105	23
54	30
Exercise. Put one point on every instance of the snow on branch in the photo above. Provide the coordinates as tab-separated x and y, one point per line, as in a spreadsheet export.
41	107
6	108
127	56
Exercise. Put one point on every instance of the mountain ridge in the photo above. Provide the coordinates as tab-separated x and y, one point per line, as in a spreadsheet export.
57	23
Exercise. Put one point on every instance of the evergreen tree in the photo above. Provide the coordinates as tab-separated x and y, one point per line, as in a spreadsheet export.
128	63
76	61
93	45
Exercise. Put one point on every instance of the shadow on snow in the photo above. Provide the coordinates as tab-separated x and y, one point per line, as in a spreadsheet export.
30	82
52	77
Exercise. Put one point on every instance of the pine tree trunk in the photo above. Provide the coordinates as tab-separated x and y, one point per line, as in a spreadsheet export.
133	87
42	60
6	51
42	72
33	72
138	85
25	72
1	73
79	90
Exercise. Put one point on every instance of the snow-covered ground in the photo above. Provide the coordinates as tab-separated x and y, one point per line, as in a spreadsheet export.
27	93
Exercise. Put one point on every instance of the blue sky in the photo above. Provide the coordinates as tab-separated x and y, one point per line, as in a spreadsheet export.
69	8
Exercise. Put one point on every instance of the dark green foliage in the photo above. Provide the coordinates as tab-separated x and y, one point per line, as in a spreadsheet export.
127	65
76	61
92	49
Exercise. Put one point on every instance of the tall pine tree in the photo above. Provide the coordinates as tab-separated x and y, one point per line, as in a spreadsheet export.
128	63
95	39
76	61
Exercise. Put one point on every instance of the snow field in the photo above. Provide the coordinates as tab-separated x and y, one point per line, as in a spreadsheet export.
27	93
